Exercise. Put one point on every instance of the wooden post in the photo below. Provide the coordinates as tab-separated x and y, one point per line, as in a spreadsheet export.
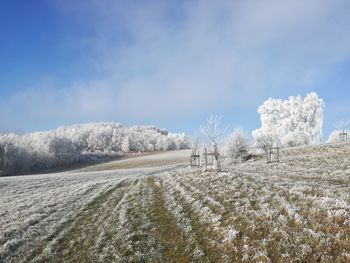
2	161
272	152
194	159
267	153
242	154
343	135
217	157
206	158
191	159
199	161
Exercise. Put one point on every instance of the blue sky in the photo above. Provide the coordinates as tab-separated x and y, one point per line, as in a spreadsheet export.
168	63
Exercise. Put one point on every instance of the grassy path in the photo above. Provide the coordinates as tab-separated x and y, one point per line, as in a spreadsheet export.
129	223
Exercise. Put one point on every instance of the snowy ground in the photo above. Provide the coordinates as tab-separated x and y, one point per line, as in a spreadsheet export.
294	211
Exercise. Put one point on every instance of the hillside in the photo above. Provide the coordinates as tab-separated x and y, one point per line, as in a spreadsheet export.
293	211
81	144
157	159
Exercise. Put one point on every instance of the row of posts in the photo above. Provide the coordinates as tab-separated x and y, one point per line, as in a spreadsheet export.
195	158
272	155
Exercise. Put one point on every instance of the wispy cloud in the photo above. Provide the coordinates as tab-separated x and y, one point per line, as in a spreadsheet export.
160	59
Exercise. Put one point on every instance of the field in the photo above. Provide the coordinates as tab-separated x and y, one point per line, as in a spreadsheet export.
297	210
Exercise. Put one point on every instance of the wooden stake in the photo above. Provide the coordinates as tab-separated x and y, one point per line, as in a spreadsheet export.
2	161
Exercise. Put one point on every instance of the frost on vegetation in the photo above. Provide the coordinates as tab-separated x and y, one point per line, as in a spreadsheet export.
83	143
249	213
40	209
236	142
335	136
341	133
291	122
230	234
183	222
259	205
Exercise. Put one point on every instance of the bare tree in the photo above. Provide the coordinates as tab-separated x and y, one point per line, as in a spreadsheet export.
213	129
216	134
342	128
342	125
194	143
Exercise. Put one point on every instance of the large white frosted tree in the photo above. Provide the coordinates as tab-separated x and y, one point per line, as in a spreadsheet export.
291	122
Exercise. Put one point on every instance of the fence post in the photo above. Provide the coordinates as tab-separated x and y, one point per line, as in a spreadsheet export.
2	161
217	157
266	153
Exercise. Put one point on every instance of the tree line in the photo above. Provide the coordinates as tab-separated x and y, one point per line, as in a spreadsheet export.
81	143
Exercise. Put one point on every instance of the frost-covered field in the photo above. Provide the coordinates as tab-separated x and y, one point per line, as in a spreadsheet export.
143	161
37	210
294	211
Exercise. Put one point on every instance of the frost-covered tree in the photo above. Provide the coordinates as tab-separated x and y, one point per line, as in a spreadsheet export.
69	144
213	129
341	128
194	143
126	144
215	132
180	140
63	150
335	136
160	144
292	122
342	125
237	141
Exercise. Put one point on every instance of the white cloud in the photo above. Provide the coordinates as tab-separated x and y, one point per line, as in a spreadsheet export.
165	58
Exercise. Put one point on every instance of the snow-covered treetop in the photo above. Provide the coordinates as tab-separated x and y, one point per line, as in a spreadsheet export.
100	136
213	129
291	122
67	144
